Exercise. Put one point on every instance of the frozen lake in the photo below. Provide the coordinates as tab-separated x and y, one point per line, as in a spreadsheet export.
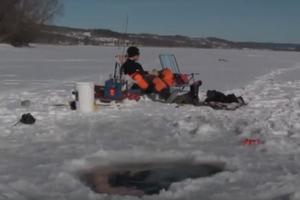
56	63
42	161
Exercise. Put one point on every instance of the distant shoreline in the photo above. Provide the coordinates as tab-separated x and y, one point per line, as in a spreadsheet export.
57	35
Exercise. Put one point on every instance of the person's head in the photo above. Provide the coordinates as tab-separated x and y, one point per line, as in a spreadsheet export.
133	53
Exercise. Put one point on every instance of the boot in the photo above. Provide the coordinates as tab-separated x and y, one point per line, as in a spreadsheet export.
194	90
165	94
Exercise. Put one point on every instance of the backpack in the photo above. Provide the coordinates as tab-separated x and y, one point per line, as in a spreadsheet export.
216	96
27	119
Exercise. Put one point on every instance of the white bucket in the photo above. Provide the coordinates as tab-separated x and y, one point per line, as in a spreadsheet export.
86	96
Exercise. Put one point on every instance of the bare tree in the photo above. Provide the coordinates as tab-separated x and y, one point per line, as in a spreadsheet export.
5	7
7	17
21	20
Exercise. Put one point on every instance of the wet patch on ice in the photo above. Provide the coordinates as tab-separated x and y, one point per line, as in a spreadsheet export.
145	178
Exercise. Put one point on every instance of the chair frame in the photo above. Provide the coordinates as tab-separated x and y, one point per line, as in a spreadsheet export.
176	70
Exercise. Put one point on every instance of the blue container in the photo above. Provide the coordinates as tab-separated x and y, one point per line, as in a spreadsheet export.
113	89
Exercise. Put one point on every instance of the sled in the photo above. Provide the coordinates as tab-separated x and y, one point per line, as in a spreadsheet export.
117	88
113	90
216	105
222	106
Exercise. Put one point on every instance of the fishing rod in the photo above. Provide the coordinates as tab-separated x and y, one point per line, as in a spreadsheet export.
122	47
125	33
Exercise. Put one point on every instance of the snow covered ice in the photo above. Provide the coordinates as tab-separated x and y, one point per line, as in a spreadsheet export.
42	161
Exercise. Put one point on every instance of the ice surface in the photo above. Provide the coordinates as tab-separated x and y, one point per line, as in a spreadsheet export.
41	161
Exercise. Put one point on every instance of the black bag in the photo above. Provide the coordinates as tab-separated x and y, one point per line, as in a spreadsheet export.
216	96
27	119
231	98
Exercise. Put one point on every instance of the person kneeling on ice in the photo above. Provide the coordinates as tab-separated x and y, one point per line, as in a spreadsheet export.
158	82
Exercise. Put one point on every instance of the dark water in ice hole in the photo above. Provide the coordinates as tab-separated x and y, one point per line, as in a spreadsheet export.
145	179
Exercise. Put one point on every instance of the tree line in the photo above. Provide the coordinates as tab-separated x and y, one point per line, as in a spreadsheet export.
21	20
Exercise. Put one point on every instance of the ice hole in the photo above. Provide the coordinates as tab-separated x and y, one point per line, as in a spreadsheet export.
145	179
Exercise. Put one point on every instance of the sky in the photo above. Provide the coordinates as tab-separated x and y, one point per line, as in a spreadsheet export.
237	20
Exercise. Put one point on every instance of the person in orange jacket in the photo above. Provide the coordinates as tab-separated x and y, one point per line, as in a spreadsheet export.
149	83
158	82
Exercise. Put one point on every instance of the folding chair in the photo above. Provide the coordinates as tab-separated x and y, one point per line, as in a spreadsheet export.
182	80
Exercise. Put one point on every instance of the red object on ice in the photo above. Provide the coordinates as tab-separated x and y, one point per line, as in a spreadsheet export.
252	142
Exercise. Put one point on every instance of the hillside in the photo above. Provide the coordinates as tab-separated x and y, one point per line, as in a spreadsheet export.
75	36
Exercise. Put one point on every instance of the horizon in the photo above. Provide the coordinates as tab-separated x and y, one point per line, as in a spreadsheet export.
270	21
177	35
